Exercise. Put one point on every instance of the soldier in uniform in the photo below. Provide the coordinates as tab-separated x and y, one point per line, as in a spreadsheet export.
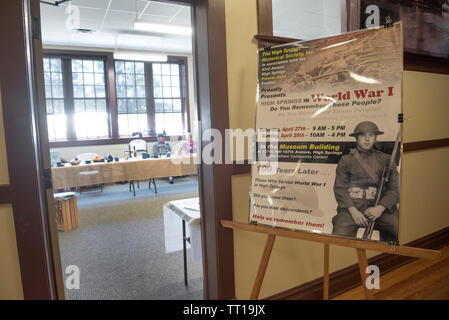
357	181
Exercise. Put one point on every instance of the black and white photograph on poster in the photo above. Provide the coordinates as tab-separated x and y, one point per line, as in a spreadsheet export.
366	188
334	105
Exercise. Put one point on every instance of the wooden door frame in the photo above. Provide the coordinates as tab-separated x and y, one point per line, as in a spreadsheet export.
22	89
22	101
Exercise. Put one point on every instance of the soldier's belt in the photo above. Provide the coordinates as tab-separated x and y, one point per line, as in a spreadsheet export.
362	193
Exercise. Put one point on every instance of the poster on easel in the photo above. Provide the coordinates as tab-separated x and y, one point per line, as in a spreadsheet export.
328	126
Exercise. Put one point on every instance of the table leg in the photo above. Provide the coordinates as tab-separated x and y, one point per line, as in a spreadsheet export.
185	250
154	183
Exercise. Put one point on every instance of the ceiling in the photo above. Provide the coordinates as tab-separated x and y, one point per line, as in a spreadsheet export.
113	22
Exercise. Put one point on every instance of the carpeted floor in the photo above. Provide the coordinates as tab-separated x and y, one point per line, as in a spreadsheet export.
119	245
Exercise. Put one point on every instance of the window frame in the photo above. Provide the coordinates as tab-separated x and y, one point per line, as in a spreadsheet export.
111	98
148	95
52	98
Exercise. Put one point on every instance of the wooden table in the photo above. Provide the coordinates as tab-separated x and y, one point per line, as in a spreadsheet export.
123	170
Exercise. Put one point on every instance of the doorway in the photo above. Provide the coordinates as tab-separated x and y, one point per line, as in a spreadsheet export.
29	168
117	79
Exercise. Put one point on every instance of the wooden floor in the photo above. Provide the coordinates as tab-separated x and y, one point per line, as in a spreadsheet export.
419	280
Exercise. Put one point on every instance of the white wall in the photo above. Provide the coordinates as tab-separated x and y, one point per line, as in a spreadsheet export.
305	19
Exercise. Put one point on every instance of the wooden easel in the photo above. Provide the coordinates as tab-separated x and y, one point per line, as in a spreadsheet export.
360	245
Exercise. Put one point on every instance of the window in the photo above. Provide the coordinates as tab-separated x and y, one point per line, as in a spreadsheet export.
167	98
149	97
131	97
54	92
76	98
89	93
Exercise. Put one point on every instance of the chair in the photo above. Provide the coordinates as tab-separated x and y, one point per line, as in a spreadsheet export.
140	146
88	156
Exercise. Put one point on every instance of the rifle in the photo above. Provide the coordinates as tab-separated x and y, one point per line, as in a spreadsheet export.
386	175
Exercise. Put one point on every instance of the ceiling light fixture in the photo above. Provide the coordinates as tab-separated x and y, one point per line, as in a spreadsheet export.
85	31
137	56
161	28
56	4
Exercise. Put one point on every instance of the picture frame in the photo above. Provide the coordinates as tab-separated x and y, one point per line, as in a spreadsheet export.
426	28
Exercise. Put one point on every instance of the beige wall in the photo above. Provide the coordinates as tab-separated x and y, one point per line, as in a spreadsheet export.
424	200
10	280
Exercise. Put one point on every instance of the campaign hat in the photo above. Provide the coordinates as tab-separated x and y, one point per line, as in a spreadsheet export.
366	126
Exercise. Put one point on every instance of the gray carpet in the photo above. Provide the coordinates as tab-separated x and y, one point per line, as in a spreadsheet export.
119	245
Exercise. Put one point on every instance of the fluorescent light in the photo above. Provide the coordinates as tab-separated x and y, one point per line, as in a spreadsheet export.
161	28
135	56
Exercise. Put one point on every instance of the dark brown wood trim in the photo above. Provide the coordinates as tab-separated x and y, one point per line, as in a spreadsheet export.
348	14
184	81
111	96
241	168
214	180
265	17
416	62
106	141
22	93
271	40
424	145
5	193
186	2
149	93
349	278
69	107
76	53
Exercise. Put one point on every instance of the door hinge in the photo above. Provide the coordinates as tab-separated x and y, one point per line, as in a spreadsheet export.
46	173
36	28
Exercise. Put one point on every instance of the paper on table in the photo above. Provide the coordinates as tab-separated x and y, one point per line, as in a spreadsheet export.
173	230
189	210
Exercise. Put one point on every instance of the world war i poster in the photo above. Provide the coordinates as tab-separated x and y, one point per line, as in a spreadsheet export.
328	135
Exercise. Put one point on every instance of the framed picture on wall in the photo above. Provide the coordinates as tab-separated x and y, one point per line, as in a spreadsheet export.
426	23
425	28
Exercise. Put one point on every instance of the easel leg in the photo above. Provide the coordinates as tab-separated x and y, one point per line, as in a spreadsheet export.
262	267
326	272
363	263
